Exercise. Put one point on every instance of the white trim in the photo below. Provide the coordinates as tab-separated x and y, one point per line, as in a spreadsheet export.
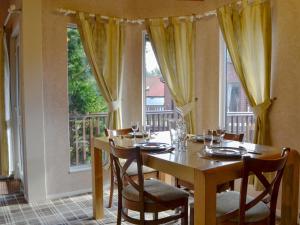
68	194
77	169
222	82
144	120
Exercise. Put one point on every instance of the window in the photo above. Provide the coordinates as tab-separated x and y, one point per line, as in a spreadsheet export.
158	104
238	117
87	108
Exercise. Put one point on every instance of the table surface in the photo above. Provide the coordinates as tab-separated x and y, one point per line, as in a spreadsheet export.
192	156
204	172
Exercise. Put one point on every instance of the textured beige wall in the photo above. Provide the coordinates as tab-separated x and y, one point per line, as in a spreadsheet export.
285	116
33	100
131	101
207	73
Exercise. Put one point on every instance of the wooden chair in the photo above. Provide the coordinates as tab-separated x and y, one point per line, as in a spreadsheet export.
144	196
238	208
222	187
148	172
234	137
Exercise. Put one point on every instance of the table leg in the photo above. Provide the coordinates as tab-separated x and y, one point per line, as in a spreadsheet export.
205	199
97	183
290	190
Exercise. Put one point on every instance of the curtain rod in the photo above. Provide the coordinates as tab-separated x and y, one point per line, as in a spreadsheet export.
11	10
68	12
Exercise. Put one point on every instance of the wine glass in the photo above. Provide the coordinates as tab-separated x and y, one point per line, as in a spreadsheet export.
134	127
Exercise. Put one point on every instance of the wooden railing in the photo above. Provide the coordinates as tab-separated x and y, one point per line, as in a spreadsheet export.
159	120
241	122
83	128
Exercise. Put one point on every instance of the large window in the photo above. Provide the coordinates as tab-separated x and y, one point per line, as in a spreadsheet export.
158	104
87	109
239	117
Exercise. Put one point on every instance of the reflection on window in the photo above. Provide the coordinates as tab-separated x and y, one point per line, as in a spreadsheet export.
239	117
159	106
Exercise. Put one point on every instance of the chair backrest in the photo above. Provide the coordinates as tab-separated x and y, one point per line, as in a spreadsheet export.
132	154
234	137
117	132
258	167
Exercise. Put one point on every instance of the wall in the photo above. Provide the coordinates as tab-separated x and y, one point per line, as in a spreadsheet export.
33	99
284	115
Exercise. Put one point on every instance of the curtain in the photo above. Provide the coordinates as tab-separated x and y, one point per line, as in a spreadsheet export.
174	45
103	42
246	30
4	167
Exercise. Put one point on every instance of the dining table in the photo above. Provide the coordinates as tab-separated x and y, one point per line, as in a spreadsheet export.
204	172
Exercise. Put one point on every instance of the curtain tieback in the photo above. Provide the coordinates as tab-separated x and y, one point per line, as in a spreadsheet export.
262	107
185	109
113	106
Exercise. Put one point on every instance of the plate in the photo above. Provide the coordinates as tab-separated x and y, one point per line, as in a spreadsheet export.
137	135
225	152
153	146
200	138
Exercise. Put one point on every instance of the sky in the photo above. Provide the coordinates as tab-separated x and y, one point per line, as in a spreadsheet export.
150	59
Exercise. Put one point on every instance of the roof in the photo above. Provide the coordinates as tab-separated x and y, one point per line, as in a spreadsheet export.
155	87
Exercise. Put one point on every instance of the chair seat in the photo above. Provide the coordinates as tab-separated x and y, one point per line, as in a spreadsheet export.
228	201
132	169
156	188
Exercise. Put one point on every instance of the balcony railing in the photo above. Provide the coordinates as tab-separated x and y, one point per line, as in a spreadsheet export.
241	122
83	128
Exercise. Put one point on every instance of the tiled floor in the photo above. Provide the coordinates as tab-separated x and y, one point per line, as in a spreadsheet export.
74	211
67	211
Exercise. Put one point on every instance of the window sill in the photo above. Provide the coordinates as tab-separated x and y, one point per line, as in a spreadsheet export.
76	169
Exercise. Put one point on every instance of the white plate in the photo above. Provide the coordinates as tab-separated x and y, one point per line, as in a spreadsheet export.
153	146
138	134
225	152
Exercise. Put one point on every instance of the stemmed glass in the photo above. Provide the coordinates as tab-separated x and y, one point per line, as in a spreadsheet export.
134	127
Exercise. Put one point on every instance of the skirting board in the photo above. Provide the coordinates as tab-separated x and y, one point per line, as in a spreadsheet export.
73	193
69	194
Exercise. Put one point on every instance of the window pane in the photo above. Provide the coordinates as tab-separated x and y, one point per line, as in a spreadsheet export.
239	117
159	106
87	108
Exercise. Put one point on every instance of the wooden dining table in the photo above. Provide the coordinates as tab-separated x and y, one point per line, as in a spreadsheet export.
204	172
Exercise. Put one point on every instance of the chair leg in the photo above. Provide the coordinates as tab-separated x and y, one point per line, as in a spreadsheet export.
177	182
192	215
119	215
112	182
231	185
155	216
185	219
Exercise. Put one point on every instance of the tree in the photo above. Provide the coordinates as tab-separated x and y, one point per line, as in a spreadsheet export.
84	95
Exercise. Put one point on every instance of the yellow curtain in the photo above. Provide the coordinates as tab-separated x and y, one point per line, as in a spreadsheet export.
3	135
103	42
246	30
173	44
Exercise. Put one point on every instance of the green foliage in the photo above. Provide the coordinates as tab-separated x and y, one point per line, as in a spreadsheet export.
84	95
